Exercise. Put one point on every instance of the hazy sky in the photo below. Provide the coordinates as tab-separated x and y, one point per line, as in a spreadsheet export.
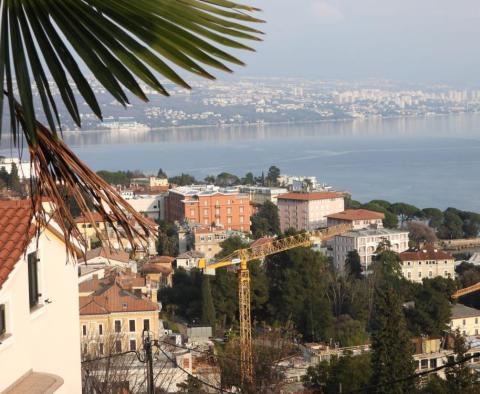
410	40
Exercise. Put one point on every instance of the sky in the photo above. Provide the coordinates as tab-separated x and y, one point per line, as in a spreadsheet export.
404	40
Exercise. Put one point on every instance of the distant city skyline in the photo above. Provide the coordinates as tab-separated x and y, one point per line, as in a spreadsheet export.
410	40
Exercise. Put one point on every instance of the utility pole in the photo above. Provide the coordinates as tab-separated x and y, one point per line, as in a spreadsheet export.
147	345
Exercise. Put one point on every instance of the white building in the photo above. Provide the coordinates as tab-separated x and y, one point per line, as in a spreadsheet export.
152	207
39	344
188	260
358	218
427	263
465	319
366	242
308	211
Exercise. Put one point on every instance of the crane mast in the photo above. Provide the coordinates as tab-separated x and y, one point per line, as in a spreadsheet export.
242	257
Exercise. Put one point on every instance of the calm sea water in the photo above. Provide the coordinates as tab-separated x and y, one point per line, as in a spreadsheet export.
430	162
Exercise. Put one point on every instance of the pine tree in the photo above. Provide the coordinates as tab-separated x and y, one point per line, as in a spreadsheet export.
391	346
208	309
460	378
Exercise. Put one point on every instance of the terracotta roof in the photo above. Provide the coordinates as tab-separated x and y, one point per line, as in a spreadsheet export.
160	260
15	234
425	254
460	311
310	196
111	254
357	214
114	299
157	268
191	254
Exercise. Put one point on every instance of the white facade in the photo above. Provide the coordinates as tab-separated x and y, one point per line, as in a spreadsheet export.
43	339
260	195
366	242
152	207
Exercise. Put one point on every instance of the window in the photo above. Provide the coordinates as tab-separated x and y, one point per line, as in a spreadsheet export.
84	330
241	209
464	322
118	326
100	349
420	274
3	320
229	220
133	344
131	325
476	320
205	212
430	274
33	279
100	329
118	346
146	324
229	211
433	363
424	364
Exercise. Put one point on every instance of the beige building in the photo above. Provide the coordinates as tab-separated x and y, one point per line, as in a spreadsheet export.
207	240
366	242
39	344
358	218
427	263
465	319
308	211
158	271
112	317
87	229
151	181
260	195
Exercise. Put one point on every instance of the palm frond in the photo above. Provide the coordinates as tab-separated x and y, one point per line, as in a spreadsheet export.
122	42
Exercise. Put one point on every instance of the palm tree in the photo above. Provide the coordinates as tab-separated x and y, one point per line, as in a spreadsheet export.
123	43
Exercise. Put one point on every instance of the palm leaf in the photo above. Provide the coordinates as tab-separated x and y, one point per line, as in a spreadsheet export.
121	42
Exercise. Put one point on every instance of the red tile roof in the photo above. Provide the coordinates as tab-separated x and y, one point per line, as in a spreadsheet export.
113	299
95	216
161	260
425	254
310	196
16	232
357	214
157	268
111	254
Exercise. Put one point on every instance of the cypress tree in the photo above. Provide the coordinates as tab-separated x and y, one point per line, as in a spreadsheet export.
208	309
391	346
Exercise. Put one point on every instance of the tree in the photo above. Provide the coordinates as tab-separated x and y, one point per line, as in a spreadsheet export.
353	265
208	309
266	221
434	217
182	180
405	211
460	378
431	312
191	385
14	180
161	174
452	227
210	179
249	179
391	220
420	233
224	179
391	347
341	374
272	176
167	243
125	48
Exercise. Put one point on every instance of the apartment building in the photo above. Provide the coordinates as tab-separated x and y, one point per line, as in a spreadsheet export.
308	211
427	263
358	218
366	242
113	317
39	344
465	319
207	240
158	271
209	206
260	195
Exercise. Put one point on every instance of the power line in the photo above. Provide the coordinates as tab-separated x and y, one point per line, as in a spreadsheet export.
193	376
414	376
109	356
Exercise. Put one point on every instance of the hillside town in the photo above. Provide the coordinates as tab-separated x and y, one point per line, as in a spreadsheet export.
97	309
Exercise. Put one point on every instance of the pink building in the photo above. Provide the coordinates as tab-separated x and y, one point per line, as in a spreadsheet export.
308	211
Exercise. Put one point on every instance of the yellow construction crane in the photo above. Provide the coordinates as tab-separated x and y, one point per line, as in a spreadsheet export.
242	257
466	290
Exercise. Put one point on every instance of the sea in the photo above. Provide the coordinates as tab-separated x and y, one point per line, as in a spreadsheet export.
426	161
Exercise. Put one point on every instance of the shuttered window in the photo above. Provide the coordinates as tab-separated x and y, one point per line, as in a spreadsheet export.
3	320
33	290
